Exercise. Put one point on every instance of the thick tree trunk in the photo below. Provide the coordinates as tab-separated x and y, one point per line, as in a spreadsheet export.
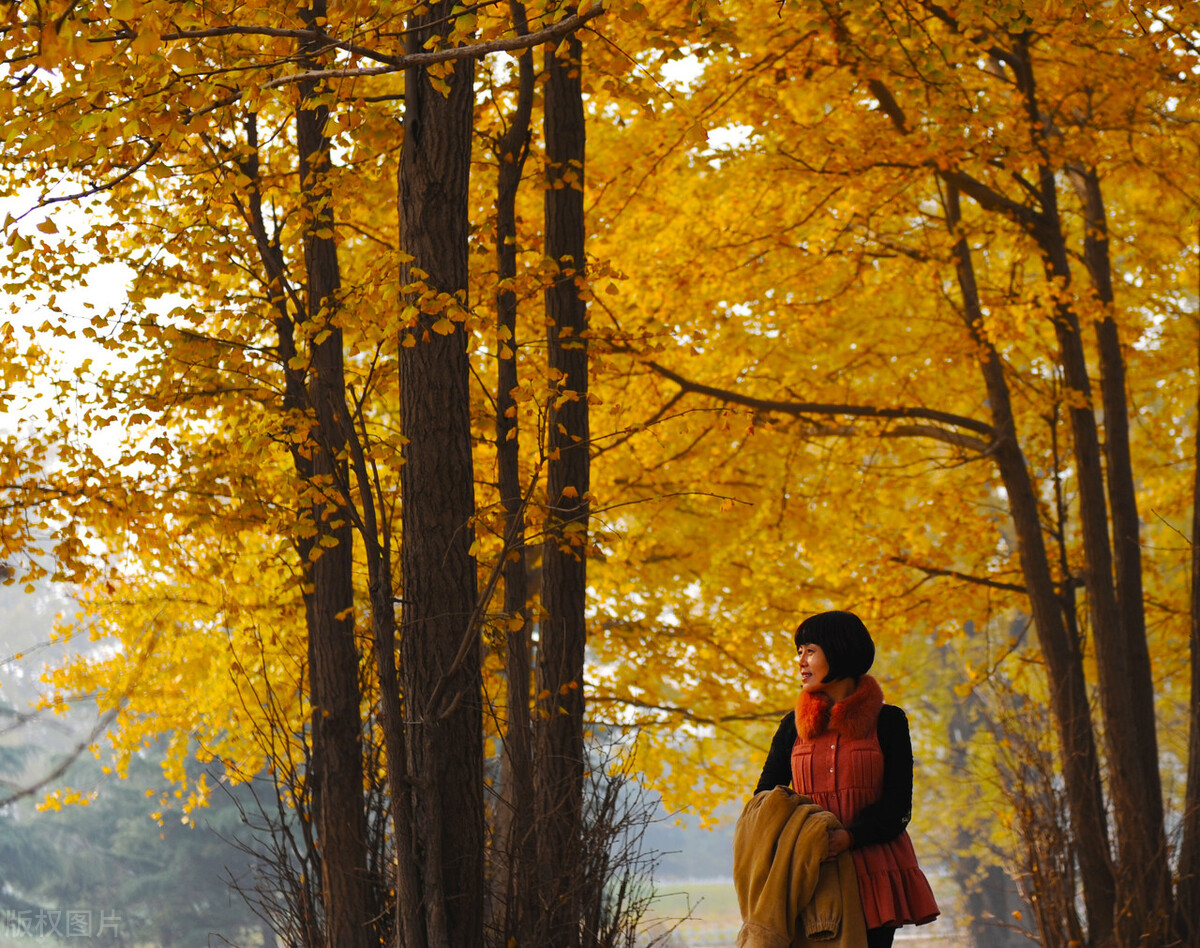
516	779
1149	870
440	648
1061	650
1126	687
1187	894
564	583
333	655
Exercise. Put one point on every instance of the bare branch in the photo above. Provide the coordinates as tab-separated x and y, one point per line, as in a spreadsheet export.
955	574
65	764
822	408
471	51
98	729
685	713
889	105
128	173
990	199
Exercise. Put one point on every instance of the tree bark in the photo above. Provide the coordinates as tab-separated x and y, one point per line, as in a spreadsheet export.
409	921
1187	893
440	647
333	654
1061	650
1149	870
516	778
1126	686
559	787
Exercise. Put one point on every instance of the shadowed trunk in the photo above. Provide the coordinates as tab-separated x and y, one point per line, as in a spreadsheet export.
516	819
1061	649
440	648
1187	896
1122	660
1147	866
332	652
559	784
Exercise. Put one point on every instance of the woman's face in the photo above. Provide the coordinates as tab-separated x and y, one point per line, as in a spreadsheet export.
814	667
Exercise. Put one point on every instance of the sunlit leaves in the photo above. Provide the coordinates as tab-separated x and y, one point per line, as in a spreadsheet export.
761	220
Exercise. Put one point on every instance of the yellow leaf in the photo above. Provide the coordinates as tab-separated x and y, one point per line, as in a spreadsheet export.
51	47
145	43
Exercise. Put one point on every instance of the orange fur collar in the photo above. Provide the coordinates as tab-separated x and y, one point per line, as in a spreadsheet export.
853	717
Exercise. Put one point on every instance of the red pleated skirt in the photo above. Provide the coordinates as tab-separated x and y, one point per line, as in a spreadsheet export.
843	775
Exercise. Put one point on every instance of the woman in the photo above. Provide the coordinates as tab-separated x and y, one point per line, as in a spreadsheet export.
851	753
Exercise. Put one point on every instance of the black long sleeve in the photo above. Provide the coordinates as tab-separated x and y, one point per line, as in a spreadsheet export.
882	821
777	771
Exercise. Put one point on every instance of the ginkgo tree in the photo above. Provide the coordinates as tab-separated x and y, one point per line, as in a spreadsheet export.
261	426
857	280
943	296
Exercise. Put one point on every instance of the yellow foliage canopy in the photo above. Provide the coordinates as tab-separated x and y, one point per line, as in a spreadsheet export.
789	411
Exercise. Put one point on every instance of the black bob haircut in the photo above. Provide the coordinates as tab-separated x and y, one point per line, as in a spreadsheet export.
844	640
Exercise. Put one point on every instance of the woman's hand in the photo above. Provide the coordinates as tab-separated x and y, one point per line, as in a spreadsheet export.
839	842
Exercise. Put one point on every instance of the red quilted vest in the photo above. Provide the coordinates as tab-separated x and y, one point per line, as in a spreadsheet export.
837	761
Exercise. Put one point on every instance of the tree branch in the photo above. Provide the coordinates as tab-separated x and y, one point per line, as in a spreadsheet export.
990	199
125	175
823	408
986	197
688	715
933	432
889	105
955	574
471	51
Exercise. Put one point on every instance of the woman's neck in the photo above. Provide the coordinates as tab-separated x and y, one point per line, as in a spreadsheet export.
841	689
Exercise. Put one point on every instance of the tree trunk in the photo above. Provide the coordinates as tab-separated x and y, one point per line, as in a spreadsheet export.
1149	870
564	582
408	921
1062	653
333	655
440	648
516	780
307	929
1126	687
1187	894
